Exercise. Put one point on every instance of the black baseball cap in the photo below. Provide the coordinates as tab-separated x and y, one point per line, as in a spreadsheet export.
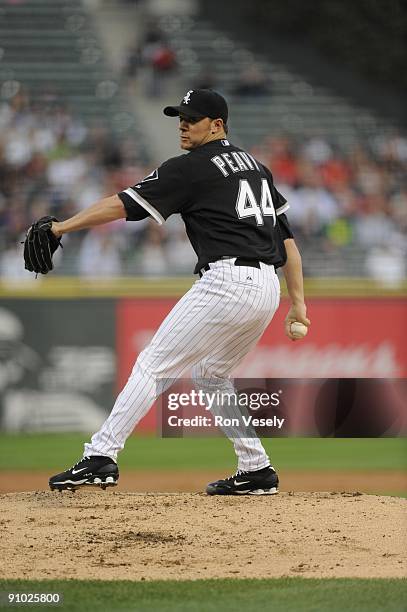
200	103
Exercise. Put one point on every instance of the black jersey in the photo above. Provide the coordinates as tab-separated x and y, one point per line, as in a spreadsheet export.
226	198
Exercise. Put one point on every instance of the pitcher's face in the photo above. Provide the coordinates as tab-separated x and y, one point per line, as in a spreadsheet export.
194	132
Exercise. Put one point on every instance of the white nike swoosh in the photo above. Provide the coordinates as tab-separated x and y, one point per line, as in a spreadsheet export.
74	482
236	483
77	471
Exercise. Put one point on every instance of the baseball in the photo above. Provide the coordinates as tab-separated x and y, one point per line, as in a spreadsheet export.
298	330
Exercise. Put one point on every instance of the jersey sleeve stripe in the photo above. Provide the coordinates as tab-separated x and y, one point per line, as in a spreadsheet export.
146	205
282	208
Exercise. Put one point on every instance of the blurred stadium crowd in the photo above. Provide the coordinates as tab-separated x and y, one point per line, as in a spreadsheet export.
343	201
50	163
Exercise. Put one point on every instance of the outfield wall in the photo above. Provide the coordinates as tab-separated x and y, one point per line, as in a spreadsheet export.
67	347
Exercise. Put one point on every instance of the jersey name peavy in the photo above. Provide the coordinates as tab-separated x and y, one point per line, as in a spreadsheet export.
236	161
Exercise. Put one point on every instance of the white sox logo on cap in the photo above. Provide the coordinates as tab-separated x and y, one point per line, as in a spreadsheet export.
200	103
187	97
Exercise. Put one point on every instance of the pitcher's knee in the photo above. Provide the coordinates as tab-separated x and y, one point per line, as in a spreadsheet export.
152	365
144	367
203	378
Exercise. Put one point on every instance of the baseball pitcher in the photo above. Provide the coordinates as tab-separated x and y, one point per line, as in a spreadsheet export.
236	222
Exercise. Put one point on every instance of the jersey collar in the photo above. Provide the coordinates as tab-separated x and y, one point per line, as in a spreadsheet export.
219	142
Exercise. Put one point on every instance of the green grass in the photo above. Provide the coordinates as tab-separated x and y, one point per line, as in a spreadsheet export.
54	451
285	594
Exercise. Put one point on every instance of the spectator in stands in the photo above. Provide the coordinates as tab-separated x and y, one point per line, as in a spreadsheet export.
386	264
317	150
11	270
252	82
374	227
104	248
152	259
49	162
132	62
206	79
160	60
316	207
280	157
180	255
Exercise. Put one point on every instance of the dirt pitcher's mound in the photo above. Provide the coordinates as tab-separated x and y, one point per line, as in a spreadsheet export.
112	535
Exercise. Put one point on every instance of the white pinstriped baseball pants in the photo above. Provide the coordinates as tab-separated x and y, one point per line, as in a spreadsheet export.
210	330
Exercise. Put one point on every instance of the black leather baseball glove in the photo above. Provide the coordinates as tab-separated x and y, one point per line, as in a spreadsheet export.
39	246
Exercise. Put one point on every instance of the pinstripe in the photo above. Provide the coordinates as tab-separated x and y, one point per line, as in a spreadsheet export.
204	306
192	340
177	312
258	331
228	335
243	448
232	432
244	351
225	362
239	341
228	332
210	329
247	458
205	322
172	349
208	346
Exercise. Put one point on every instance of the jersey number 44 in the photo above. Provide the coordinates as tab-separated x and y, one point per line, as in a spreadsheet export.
248	206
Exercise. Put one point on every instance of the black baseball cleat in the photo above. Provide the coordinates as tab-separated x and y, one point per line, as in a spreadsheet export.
94	470
260	482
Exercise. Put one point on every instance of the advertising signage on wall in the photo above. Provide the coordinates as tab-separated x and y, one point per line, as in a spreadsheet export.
349	338
57	364
63	361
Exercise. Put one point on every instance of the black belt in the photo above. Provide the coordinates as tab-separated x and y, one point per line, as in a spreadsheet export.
239	261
